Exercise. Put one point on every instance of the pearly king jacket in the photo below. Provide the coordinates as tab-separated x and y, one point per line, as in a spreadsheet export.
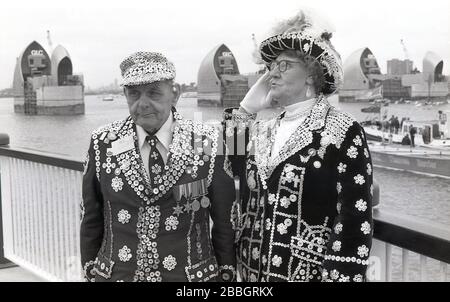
134	230
306	215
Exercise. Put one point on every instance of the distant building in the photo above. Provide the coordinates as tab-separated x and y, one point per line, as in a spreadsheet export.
218	62
393	88
363	80
362	77
431	83
47	86
399	67
234	88
219	82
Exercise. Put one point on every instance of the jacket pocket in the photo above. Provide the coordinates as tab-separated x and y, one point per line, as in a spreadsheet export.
312	250
103	266
308	254
205	270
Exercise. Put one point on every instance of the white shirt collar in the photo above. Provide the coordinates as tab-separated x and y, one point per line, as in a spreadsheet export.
164	134
299	107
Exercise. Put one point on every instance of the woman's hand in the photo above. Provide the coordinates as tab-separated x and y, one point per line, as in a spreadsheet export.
258	97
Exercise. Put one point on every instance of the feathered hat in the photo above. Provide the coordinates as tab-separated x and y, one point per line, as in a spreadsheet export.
309	34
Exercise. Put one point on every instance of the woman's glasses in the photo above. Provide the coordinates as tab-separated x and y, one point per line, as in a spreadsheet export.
282	65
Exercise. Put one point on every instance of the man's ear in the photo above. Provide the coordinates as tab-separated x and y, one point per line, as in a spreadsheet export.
309	80
176	90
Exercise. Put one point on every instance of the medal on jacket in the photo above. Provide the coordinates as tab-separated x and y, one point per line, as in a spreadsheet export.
251	182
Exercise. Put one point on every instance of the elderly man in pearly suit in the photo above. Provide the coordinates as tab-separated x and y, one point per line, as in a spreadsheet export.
152	184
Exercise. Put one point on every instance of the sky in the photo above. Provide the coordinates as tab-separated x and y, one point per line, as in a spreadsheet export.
99	34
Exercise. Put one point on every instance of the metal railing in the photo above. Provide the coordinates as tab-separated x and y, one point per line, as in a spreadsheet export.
40	204
408	249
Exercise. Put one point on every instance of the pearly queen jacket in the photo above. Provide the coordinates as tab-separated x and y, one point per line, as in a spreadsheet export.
305	216
133	230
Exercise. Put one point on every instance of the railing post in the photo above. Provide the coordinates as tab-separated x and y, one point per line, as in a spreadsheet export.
4	141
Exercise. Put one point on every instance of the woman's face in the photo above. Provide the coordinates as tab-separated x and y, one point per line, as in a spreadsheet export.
288	86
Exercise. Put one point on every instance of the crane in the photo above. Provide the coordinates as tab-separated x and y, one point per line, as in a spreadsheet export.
404	49
49	41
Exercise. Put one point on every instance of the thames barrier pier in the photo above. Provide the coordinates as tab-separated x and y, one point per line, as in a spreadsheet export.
47	86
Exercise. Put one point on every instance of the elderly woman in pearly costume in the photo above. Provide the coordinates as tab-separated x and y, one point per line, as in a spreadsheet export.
304	212
151	183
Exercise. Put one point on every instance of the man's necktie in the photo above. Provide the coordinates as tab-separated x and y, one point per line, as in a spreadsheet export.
155	164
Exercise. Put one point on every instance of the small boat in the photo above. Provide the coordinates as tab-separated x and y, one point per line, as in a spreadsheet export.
108	98
417	160
429	134
371	109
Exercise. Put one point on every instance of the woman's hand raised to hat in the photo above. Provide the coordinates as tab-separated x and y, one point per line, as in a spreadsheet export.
257	98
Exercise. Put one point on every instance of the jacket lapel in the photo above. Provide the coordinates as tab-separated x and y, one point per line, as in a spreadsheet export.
302	137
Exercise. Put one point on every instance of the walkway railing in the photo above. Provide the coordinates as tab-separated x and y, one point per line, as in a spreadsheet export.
40	205
40	196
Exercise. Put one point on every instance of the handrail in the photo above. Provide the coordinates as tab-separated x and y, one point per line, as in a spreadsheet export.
46	158
410	234
394	229
427	239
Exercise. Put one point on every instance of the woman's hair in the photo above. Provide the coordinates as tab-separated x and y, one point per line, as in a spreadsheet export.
313	68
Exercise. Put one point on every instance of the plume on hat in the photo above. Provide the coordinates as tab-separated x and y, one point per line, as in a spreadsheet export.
306	21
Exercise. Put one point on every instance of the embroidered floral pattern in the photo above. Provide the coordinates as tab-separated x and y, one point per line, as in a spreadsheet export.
282	227
369	169
268	224
123	216
344	278
169	262
338	228
358	278
125	254
339	187
363	251
154	155
336	246
271	198
171	223
276	260
366	153
342	168
359	179
365	228
264	259
334	275
255	253
117	184
361	205
156	169
352	152
357	141
285	202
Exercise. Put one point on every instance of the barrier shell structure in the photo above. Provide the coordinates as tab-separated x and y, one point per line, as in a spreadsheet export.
45	85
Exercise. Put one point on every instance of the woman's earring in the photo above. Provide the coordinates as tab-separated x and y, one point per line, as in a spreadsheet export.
308	92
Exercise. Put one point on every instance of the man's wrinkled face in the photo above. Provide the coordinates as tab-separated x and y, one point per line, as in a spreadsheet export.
150	104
